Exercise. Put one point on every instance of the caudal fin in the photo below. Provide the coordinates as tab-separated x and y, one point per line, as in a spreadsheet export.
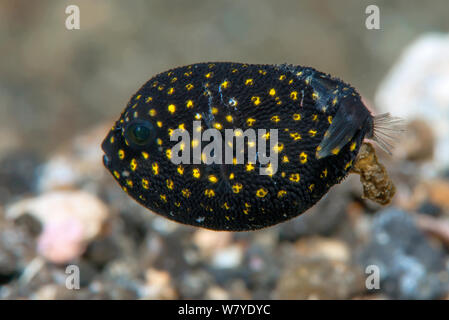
386	131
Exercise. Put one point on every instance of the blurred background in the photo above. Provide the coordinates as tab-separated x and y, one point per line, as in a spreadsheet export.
61	90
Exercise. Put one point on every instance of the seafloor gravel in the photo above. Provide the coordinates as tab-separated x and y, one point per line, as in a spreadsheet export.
67	210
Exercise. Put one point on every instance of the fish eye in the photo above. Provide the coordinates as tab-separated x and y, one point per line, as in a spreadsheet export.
140	133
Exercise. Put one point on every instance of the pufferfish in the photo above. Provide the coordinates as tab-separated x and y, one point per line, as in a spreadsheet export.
320	123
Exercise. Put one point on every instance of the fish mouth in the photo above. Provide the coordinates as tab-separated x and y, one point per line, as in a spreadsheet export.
106	161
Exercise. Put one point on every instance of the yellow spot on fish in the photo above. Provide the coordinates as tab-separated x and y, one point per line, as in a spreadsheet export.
278	148
149	99
303	157
323	173
255	100
133	165
121	154
348	165
224	84
168	154
116	174
237	187
159	141
145	183
315	117
229	118
129	183
334	101
174	79
249	82
329	119
294	95
315	96
152	112
249	167
155	168
112	140
269	170
213	178
209	75
163	197
159	124
282	77
275	119
214	110
138	97
294	177
171	91
295	135
180	170
186	193
285	159
218	126
335	151
172	108
196	173
296	116
262	192
272	92
189	86
312	133
352	147
189	103
281	193
225	206
209	193
169	184
311	187
250	121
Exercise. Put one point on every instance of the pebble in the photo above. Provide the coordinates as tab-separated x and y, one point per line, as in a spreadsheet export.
227	258
411	267
158	285
319	279
70	219
417	87
331	249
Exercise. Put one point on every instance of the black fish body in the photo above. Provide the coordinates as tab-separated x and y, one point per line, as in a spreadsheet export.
321	123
